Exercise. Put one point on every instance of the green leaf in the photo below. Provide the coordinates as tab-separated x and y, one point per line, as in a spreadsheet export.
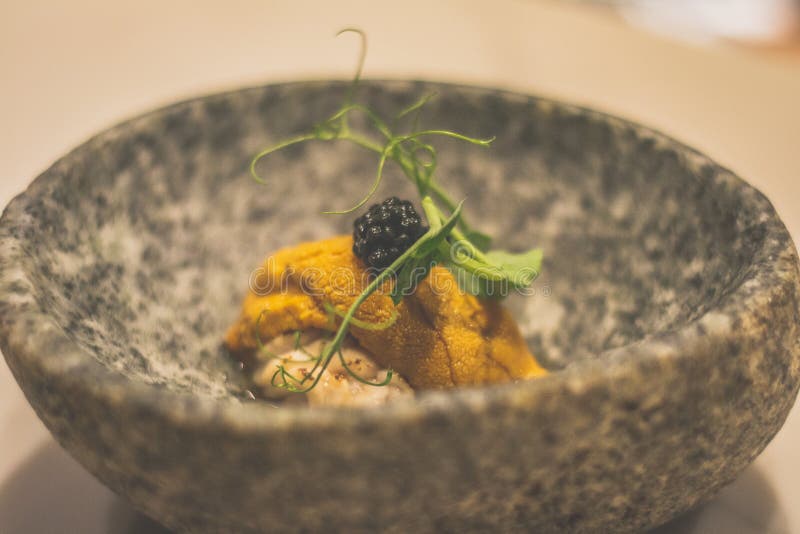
520	269
503	272
482	242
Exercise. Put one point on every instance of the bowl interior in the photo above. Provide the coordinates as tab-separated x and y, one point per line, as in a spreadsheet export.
145	237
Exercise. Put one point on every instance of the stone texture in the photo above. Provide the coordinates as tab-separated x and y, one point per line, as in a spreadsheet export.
668	306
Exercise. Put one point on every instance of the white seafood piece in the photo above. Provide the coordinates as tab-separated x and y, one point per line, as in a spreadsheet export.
336	387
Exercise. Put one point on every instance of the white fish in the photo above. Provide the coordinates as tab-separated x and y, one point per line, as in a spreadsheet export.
336	387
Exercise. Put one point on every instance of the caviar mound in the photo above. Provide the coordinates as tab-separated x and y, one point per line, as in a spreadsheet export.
385	231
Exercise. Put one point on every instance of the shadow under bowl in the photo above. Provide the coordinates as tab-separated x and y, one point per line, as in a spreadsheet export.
668	310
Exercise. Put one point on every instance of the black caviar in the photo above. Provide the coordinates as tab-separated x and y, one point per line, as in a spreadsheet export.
385	231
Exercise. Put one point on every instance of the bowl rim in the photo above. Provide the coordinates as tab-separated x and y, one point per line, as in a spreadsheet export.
28	336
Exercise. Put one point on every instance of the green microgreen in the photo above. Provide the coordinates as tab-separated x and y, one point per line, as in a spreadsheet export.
346	367
450	240
298	346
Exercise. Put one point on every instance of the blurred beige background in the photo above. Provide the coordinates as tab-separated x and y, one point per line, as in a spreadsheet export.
68	69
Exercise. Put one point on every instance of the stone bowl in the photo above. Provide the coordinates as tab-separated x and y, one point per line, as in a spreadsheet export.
668	312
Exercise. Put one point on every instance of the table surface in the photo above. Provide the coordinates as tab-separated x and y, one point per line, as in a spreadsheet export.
72	68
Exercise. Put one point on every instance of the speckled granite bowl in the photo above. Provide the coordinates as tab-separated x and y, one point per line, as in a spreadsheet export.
669	303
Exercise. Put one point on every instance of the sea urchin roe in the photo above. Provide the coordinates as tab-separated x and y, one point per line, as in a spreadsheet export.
441	337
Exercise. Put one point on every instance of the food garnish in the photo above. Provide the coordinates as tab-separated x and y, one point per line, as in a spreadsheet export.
400	253
387	230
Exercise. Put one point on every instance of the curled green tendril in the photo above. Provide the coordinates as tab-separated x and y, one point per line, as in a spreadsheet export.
285	384
298	346
267	151
374	187
346	367
361	59
415	108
